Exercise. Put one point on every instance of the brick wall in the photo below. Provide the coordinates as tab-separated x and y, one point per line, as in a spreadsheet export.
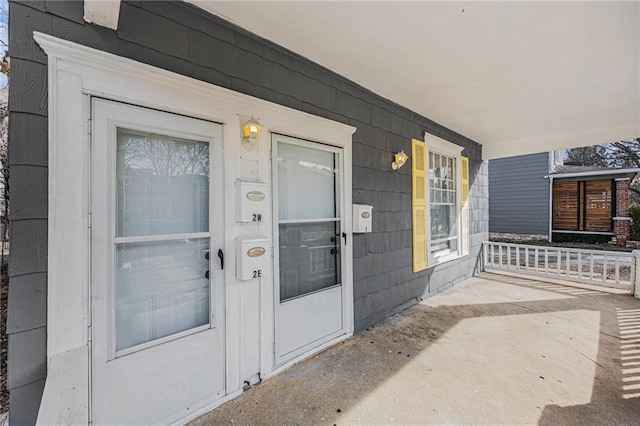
621	221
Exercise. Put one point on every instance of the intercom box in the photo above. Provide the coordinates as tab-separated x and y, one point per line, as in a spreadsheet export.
253	257
252	201
362	218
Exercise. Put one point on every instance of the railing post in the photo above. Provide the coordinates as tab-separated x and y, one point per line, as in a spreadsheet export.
485	250
546	260
580	265
635	273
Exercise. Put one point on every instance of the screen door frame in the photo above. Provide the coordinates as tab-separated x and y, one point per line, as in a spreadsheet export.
343	209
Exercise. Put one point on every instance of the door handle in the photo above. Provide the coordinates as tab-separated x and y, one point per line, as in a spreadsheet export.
221	257
344	235
206	275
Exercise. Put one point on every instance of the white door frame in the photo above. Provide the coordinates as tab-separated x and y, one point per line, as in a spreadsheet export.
75	73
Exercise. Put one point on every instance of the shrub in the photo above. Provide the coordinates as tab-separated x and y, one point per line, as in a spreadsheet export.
634	212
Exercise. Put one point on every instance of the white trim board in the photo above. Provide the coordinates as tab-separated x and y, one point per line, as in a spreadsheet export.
102	12
612	172
75	73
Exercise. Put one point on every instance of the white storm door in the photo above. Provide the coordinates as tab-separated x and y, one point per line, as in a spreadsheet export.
157	295
308	209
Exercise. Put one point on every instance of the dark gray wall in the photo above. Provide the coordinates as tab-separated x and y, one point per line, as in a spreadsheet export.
519	194
186	40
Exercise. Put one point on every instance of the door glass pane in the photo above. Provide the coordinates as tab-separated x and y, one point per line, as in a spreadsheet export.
307	180
162	184
161	289
309	257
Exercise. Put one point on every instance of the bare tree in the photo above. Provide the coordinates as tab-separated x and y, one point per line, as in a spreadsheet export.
625	153
588	156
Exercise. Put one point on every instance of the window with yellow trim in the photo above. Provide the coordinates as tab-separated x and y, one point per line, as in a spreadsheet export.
440	176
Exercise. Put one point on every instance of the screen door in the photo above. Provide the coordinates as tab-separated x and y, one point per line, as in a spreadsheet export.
309	280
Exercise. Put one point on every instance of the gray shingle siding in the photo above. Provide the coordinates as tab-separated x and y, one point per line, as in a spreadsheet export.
519	194
186	40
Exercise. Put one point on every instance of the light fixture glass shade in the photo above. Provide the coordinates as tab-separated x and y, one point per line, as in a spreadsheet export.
252	129
399	160
250	134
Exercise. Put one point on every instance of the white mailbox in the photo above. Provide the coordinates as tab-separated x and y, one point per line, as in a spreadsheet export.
251	201
362	218
253	257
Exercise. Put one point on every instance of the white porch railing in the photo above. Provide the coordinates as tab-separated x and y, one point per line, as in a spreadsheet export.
605	268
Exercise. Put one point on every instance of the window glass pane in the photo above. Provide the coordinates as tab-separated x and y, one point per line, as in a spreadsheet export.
307	181
161	289
440	222
162	184
309	258
443	206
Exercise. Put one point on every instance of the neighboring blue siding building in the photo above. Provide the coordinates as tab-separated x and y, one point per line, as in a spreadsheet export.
519	194
588	202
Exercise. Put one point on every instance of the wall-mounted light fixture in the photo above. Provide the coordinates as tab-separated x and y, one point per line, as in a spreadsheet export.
251	133
399	160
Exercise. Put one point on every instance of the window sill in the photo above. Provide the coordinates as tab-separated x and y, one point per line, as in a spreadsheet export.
435	261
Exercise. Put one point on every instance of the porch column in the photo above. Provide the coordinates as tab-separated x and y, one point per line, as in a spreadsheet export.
635	275
621	219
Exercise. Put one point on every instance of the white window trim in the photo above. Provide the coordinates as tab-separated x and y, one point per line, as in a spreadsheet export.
438	145
75	74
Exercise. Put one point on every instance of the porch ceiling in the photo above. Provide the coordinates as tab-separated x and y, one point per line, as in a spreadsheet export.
517	77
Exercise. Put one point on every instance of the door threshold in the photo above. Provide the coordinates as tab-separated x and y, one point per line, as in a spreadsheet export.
279	369
202	408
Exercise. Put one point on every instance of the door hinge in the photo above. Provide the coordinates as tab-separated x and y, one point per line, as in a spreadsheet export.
89	126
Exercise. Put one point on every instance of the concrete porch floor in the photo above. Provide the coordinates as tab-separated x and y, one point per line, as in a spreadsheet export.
492	350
